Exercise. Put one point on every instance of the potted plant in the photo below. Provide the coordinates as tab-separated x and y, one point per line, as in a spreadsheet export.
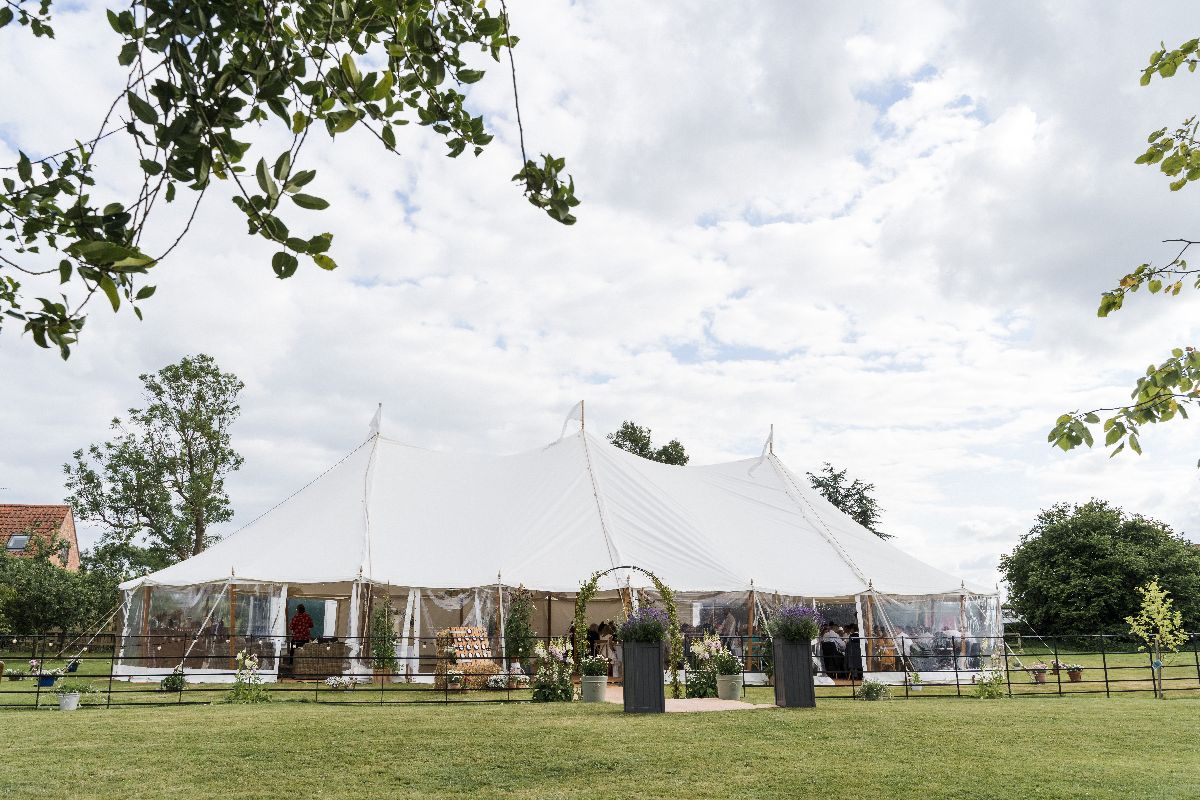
729	674
1074	672
642	636
792	629
1038	672
69	693
15	674
915	681
339	683
593	679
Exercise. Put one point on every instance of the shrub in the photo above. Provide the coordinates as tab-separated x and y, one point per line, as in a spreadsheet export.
552	679
990	686
175	682
873	690
519	635
593	666
647	624
795	623
383	640
247	683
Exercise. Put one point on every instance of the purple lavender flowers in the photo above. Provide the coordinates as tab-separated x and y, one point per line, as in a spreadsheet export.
795	623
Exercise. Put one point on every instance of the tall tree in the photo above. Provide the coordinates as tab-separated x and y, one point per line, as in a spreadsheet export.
852	497
1078	569
159	484
211	84
636	439
1167	390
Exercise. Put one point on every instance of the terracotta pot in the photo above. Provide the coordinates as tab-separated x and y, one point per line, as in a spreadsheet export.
1076	675
1038	677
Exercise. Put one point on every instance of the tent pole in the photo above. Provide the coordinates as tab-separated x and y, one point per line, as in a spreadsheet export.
581	423
500	611
750	626
232	624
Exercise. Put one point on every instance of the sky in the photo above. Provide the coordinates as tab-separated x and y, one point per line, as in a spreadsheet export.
883	229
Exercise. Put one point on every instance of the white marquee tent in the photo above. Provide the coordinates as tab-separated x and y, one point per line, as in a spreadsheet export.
446	536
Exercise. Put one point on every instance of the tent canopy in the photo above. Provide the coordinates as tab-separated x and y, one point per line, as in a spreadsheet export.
395	514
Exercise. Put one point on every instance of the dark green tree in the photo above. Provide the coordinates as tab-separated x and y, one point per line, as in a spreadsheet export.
519	634
852	497
38	596
1169	389
211	83
635	439
1078	569
159	485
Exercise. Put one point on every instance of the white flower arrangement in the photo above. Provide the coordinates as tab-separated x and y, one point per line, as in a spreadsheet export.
454	676
339	682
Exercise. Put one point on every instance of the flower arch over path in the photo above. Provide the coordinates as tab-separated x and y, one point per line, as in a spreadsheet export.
588	589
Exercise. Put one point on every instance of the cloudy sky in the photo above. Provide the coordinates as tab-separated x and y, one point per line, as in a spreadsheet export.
883	229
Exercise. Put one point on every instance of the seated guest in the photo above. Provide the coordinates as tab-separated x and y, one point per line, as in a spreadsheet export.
301	627
830	634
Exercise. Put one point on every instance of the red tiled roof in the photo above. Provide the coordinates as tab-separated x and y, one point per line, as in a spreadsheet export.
22	518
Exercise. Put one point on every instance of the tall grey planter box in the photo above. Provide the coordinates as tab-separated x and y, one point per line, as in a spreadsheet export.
794	675
643	689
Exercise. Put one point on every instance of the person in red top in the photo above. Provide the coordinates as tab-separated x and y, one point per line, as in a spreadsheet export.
301	626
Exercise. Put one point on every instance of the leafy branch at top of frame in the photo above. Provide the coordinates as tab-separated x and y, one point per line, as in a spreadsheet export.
220	70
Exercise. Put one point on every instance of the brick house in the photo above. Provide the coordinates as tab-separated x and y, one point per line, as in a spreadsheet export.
20	524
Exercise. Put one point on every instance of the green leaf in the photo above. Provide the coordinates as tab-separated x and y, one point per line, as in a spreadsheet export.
299	122
389	137
470	75
324	261
109	288
284	264
350	70
264	179
24	168
141	109
489	26
283	164
6	16
1091	418
151	167
144	292
300	179
310	202
64	271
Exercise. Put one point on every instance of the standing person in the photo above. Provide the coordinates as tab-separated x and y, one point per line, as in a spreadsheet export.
593	636
301	627
854	652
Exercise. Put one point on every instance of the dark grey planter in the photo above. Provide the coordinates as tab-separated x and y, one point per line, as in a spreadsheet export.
794	675
644	691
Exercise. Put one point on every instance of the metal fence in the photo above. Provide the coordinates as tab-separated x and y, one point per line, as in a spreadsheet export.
919	666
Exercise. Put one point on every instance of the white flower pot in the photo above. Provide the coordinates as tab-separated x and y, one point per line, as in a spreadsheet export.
592	687
68	702
729	687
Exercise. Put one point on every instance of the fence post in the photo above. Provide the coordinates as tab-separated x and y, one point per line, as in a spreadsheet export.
1104	664
112	662
37	697
1196	654
1057	670
954	655
903	666
1007	670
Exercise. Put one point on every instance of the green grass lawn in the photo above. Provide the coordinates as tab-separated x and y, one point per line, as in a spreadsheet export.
1083	747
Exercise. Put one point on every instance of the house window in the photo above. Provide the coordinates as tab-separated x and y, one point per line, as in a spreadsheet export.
17	543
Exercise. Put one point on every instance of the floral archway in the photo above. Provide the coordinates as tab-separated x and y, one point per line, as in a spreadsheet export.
587	590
